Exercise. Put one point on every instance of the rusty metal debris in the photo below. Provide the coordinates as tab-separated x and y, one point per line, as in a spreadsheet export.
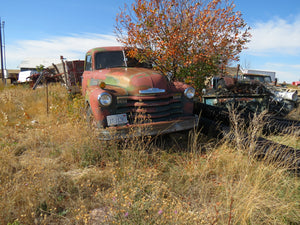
249	98
251	95
67	72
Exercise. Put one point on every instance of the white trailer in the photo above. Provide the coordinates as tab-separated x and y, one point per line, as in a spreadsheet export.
24	76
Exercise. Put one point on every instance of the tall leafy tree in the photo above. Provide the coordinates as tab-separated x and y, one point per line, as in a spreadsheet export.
189	38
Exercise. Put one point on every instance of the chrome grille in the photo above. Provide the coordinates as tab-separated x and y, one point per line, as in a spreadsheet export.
150	109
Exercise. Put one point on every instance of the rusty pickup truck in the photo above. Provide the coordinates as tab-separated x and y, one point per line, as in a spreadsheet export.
126	98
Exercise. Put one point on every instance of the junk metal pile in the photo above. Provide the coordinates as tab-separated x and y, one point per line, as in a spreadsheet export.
247	99
251	95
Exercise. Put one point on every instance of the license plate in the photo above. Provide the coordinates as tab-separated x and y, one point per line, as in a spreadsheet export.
118	119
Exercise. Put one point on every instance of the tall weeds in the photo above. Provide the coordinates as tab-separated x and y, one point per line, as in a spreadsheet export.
55	170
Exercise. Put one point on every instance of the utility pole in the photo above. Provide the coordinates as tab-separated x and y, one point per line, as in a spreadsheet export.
1	50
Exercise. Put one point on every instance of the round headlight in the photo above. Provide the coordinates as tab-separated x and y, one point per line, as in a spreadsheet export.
189	92
104	99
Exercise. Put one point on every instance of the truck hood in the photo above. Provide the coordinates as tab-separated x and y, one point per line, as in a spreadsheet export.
133	81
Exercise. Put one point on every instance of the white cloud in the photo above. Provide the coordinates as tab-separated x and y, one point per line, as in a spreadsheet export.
276	36
275	46
71	47
282	65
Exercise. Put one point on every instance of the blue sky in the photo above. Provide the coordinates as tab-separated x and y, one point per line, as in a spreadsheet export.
48	29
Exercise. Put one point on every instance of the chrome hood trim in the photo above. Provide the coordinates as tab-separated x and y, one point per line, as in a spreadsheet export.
152	91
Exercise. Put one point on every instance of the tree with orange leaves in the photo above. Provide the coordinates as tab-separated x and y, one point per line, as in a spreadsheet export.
188	38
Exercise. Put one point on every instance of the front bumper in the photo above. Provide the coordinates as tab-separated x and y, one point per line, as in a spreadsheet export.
148	129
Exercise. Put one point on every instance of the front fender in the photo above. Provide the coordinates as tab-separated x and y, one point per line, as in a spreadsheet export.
188	103
99	112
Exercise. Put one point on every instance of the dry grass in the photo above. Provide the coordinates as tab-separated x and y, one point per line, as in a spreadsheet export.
54	170
295	113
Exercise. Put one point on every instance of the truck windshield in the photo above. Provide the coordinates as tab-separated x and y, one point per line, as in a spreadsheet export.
109	60
116	59
263	79
268	80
